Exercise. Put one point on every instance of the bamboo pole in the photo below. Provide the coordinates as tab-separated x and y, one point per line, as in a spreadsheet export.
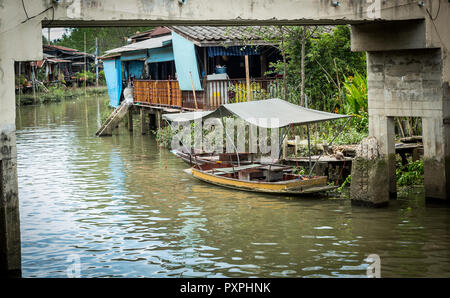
20	89
401	127
96	62
85	81
193	91
247	78
34	84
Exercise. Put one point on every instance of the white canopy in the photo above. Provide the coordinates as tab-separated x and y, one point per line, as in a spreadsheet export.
270	113
188	116
151	43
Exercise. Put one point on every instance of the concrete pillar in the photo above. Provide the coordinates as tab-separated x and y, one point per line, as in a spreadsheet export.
10	250
370	182
436	141
142	114
382	127
411	83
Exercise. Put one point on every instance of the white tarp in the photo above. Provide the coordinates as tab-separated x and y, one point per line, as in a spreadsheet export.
188	116
270	113
273	113
151	43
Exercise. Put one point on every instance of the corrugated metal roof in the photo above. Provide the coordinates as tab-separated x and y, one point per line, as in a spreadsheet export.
60	48
158	31
228	36
151	43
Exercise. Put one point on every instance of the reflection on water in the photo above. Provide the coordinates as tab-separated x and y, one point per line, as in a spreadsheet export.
113	202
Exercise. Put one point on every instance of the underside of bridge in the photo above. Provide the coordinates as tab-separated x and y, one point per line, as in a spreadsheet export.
408	66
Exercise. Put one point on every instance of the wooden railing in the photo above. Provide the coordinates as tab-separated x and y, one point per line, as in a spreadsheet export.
216	92
163	93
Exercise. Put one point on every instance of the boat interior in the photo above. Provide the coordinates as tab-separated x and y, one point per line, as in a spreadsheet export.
274	173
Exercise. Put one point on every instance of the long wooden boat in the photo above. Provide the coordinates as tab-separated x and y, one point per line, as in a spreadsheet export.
201	158
274	179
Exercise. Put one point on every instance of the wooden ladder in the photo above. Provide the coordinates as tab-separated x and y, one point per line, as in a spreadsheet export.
114	118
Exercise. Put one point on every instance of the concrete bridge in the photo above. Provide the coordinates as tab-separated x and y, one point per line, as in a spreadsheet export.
407	44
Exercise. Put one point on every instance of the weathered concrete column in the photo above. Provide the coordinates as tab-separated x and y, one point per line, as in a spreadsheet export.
144	128
382	127
10	250
436	141
370	182
410	83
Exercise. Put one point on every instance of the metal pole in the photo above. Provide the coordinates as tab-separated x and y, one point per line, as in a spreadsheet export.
309	141
282	140
232	141
309	150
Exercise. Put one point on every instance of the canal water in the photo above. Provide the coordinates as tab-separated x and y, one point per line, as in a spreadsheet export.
122	206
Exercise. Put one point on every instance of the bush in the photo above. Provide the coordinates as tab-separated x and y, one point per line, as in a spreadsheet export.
90	77
410	174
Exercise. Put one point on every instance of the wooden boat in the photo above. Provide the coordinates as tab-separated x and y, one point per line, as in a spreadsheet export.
201	158
274	179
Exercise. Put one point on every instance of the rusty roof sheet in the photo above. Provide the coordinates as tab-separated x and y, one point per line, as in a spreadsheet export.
225	36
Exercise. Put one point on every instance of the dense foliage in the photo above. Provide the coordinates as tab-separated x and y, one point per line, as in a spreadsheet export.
328	62
410	174
108	38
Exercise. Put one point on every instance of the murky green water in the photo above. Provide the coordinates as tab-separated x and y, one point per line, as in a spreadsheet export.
126	209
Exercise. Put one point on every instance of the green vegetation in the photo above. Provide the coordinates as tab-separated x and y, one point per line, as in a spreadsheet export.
88	76
57	94
108	38
106	110
410	174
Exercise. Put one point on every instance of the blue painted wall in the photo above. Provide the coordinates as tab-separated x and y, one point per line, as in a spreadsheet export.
134	55
113	76
160	55
136	68
185	62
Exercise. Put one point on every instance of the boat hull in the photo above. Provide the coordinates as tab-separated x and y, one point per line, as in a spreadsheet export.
296	187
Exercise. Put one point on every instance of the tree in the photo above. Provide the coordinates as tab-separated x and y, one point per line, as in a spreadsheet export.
108	37
328	60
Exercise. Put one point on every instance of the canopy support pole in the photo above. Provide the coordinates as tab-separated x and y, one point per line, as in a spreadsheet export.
329	144
283	136
232	141
309	149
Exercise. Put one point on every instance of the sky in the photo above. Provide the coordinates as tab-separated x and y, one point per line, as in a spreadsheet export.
55	33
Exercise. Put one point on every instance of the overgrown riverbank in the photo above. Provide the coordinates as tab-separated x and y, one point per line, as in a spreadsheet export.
57	94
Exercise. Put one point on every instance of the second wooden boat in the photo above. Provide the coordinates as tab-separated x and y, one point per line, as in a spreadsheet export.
274	179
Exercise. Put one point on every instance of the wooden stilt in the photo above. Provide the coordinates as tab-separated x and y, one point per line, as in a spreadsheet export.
130	119
143	124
